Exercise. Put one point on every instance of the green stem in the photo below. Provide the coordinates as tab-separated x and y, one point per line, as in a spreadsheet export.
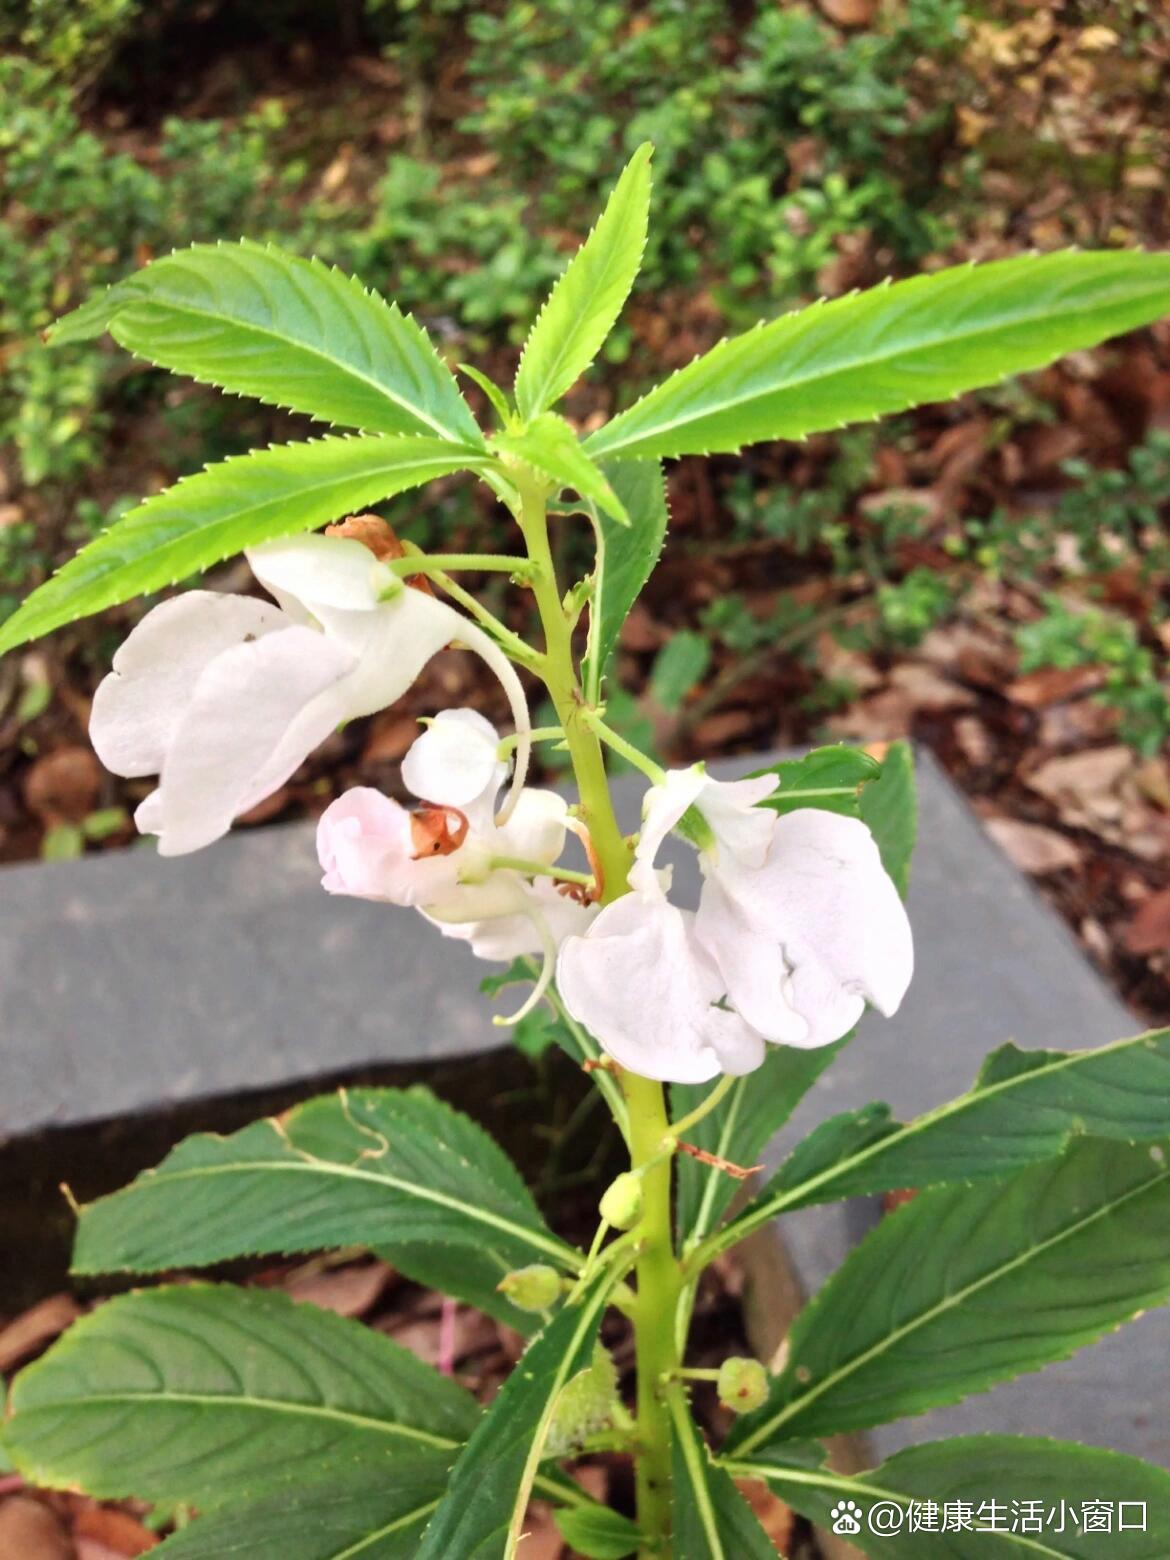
456	563
659	1281
628	751
520	652
537	734
541	869
659	1288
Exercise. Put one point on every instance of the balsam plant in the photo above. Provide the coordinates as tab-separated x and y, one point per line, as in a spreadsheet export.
1044	1192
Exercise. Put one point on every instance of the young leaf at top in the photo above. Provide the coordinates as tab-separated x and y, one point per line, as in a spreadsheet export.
219	511
926	339
482	1514
711	1519
369	1167
583	306
626	555
207	1394
1025	1106
253	320
968	1286
1040	1489
549	444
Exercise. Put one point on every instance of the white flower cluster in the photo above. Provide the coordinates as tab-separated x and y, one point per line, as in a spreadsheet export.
798	926
222	696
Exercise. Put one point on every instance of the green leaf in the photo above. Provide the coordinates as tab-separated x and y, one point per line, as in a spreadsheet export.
711	1519
1039	1485
294	333
585	303
890	807
831	778
552	447
626	556
206	1394
464	1272
598	1533
867	354
239	503
1025	1106
371	1167
482	1514
747	1118
497	398
678	667
336	1515
967	1286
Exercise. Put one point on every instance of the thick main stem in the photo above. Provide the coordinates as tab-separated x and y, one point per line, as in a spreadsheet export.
659	1285
659	1280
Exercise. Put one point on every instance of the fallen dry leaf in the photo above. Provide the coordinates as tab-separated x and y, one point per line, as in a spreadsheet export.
541	1540
928	690
347	1291
1053	685
62	787
1079	778
974	740
115	1530
850	13
35	1328
1153	780
30	1531
1032	847
776	1519
1149	931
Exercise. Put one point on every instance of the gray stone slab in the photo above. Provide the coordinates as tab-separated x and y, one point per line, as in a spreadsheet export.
128	984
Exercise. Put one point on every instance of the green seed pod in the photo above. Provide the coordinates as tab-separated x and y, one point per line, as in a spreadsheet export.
621	1205
742	1384
532	1288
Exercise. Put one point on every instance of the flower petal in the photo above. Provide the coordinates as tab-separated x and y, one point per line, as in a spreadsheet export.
247	705
742	830
662	807
640	985
824	900
138	706
319	574
540	915
456	763
366	848
536	829
753	973
343	587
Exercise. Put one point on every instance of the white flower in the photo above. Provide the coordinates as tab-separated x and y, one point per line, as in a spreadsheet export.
223	696
798	927
441	858
646	990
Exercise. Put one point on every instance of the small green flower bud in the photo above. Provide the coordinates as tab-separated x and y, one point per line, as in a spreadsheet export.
621	1205
532	1288
742	1384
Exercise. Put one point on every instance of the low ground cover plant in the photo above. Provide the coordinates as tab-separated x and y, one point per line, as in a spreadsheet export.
1043	1191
